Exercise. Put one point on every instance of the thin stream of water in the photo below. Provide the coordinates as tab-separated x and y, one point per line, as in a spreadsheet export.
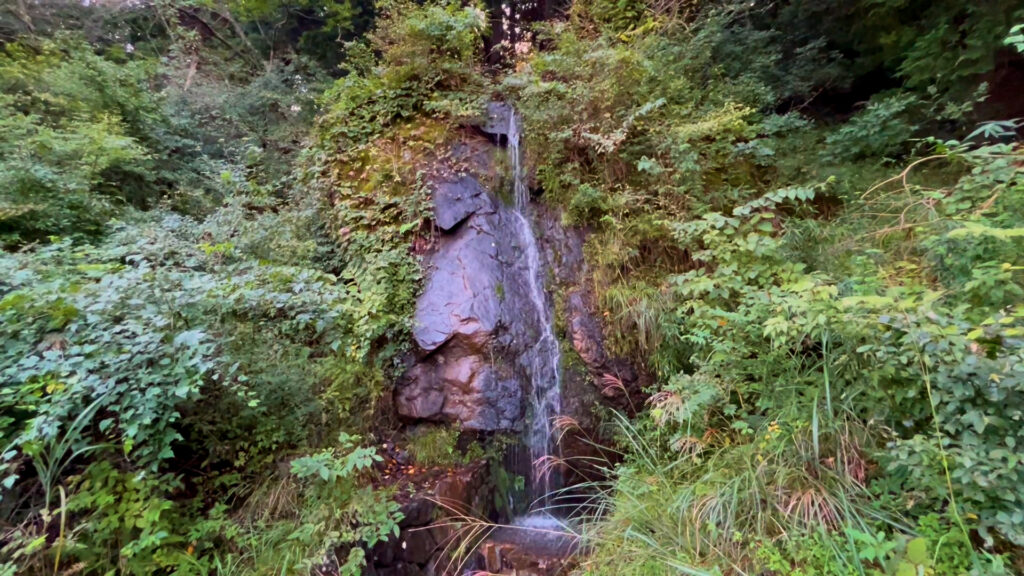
543	359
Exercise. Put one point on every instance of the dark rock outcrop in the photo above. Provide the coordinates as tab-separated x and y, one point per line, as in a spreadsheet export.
456	200
466	371
474	323
585	332
461	296
499	118
425	538
616	379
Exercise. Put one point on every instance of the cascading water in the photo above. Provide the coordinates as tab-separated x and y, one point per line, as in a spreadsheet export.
541	362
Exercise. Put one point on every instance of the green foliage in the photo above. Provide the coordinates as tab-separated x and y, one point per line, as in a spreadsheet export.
123	353
72	154
880	130
87	135
261	29
1016	38
942	49
776	335
426	63
507	488
804	357
831	356
126	516
596	103
434	446
438	446
618	15
129	341
251	129
926	59
140	314
329	467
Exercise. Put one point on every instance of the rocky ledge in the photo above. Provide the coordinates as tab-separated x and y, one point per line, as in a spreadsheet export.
524	551
427	535
473	323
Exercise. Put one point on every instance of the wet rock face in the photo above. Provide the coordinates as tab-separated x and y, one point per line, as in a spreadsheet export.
585	332
499	117
517	552
615	380
460	386
474	324
470	327
456	200
461	294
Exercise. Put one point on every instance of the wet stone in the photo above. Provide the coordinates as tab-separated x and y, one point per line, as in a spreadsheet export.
456	200
417	511
499	116
416	545
461	294
522	552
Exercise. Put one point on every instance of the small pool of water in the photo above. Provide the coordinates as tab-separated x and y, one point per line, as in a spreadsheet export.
541	521
538	534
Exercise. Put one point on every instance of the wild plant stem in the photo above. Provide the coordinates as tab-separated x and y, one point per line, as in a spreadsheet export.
942	450
63	528
828	383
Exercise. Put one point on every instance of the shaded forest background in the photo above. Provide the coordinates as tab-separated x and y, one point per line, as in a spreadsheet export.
804	219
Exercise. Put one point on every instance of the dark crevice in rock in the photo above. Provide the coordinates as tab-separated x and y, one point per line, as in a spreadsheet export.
424	545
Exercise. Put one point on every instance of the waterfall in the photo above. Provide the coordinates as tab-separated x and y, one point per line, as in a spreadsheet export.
542	359
520	192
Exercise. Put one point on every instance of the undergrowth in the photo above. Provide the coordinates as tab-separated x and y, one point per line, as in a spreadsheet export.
804	225
836	350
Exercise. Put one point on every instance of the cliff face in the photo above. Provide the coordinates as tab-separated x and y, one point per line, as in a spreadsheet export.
479	318
466	330
505	314
470	331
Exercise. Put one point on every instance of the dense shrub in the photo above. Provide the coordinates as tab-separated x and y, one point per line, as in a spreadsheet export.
836	359
285	308
72	153
131	351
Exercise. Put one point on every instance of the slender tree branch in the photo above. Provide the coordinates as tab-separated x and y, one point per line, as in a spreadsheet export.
21	13
209	27
240	32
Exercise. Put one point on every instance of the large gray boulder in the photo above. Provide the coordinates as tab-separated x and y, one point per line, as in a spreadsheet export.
498	119
469	326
